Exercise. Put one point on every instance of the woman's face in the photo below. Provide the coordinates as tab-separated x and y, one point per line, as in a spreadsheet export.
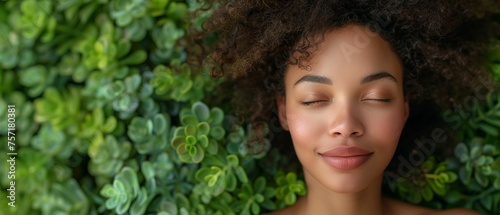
346	112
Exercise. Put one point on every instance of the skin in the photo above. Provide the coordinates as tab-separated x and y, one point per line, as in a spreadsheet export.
353	97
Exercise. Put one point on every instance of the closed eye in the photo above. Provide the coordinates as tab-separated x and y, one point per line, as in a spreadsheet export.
379	100
312	102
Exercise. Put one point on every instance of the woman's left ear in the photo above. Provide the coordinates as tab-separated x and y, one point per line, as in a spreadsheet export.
281	104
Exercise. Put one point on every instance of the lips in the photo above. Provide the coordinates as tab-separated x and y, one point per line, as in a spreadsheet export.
346	158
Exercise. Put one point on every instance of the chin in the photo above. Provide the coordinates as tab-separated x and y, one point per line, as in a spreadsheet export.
346	188
347	183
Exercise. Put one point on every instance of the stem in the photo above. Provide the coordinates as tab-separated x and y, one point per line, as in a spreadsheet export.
432	176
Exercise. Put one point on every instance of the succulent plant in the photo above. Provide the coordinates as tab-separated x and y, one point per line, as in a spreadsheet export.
124	190
254	196
60	109
149	134
479	161
288	188
201	130
428	180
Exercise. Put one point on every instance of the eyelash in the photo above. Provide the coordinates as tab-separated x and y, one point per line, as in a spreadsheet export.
319	101
380	100
312	102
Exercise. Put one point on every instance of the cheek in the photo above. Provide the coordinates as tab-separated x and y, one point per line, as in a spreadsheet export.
386	127
305	128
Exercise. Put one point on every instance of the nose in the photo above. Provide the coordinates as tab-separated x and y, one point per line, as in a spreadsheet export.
346	123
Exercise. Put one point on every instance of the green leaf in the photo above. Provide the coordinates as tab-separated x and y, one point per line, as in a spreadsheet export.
259	198
475	152
178	141
216	116
231	182
109	125
269	205
200	111
183	153
437	187
203	128
219	185
255	208
481	179
192	150
290	199
464	175
496	184
489	149
147	170
115	89
487	202
138	130
492	121
487	128
461	152
160	124
481	160
189	120
452	177
140	204
234	138
190	130
191	140
212	180
259	184
199	155
232	148
214	160
203	140
135	58
128	174
123	48
427	193
217	132
202	173
212	147
291	177
232	160
242	176
132	83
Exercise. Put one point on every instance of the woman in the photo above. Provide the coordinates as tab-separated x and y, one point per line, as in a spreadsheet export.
343	78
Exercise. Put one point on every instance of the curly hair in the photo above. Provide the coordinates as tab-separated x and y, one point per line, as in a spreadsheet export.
442	46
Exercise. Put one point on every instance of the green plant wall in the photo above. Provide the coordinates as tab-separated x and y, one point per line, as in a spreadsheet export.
106	124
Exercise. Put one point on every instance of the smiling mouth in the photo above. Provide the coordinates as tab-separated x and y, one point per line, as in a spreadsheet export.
347	162
346	158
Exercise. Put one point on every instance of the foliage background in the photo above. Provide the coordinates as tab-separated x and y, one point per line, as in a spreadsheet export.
111	120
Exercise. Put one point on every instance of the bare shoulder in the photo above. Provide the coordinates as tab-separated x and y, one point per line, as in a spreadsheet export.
400	207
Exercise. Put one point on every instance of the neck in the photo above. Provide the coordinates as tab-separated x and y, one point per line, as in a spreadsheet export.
320	200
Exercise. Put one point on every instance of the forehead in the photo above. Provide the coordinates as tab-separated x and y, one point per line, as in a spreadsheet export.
353	48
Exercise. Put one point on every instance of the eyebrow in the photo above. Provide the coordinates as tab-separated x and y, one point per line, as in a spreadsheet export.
325	80
315	79
378	76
